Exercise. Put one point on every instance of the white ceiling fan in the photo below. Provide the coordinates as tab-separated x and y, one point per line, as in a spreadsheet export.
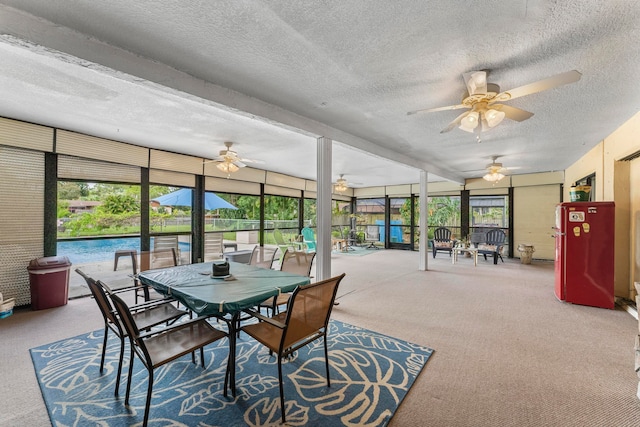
481	99
228	160
495	171
341	185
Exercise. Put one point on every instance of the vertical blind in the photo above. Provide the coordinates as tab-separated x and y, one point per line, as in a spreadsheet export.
22	207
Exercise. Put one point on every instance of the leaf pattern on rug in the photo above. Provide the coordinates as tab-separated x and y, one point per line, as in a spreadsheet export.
370	375
266	412
376	378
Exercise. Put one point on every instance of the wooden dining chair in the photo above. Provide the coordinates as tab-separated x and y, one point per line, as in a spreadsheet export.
159	347
306	320
297	262
145	315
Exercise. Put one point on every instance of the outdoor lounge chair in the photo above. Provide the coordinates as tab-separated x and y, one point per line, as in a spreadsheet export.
493	244
282	245
166	242
309	239
442	241
213	246
489	241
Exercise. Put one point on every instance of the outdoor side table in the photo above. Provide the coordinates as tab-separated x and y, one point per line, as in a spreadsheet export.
458	250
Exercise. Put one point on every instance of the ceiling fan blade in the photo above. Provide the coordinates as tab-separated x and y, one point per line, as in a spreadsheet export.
431	110
539	86
250	161
238	163
455	122
513	113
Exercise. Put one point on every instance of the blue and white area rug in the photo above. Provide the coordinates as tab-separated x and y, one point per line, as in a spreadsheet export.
370	375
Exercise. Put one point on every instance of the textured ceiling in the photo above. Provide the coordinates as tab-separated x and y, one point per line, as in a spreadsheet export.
272	76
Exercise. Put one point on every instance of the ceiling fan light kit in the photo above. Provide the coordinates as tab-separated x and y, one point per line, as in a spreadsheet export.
494	171
470	121
494	117
481	115
493	177
341	185
228	160
227	167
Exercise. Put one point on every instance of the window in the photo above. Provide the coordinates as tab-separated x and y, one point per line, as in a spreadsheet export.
400	217
97	219
97	209
370	213
489	211
280	212
239	225
444	211
172	216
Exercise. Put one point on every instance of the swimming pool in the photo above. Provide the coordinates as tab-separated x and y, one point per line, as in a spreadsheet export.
98	250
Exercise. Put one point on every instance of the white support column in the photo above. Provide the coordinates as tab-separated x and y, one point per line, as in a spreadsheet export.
424	216
323	209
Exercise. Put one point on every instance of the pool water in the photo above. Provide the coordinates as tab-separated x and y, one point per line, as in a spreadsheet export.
87	251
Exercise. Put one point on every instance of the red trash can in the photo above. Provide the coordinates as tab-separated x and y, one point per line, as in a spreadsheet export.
49	281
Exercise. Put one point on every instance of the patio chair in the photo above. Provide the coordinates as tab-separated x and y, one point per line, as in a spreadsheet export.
159	347
145	316
372	235
297	262
262	256
282	245
477	237
493	245
309	239
166	242
149	260
442	241
213	246
306	320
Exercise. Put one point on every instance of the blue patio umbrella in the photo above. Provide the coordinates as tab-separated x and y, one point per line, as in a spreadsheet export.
182	197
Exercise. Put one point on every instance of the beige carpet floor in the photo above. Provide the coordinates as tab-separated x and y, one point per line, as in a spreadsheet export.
507	352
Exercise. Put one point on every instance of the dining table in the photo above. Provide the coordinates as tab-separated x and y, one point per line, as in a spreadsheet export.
223	297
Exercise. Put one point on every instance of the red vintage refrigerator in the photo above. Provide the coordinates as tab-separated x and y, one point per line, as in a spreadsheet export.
584	263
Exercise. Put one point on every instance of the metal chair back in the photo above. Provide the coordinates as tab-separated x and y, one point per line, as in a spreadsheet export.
262	256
